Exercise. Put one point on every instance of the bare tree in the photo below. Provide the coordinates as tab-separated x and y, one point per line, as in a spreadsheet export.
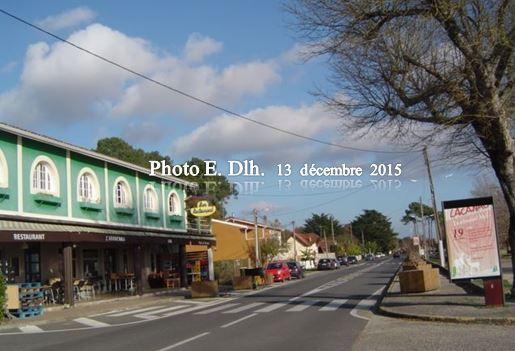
440	71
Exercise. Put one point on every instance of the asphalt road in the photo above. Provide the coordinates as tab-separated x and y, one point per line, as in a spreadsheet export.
321	312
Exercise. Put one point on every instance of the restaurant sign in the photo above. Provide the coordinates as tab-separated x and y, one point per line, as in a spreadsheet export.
471	238
115	238
203	209
28	236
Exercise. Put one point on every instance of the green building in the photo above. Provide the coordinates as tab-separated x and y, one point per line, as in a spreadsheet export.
68	212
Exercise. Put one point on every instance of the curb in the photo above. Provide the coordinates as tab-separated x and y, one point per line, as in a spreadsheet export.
446	319
436	318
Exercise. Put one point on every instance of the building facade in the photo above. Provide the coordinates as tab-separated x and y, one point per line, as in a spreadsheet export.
68	212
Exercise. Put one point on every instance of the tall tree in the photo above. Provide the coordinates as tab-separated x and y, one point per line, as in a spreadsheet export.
413	214
375	227
317	223
439	71
216	188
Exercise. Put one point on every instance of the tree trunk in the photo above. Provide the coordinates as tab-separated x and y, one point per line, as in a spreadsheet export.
498	143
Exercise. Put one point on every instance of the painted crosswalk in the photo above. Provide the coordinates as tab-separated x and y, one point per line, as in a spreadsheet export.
244	310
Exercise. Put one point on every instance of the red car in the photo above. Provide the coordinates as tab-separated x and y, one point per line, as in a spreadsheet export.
280	271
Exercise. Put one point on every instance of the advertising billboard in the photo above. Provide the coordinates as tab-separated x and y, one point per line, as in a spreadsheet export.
471	238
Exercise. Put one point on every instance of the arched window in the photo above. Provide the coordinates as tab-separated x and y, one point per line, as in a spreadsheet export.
4	171
88	186
45	178
122	194
150	202
174	207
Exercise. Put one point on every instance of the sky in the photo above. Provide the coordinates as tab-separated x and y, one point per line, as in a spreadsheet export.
241	55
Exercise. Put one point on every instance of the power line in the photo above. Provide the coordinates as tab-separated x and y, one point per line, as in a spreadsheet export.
192	97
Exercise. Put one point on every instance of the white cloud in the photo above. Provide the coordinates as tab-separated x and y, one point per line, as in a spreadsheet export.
60	84
198	47
67	19
227	136
8	67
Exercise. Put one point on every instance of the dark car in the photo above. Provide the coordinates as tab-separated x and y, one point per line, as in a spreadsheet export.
326	263
396	254
296	270
352	260
343	260
369	257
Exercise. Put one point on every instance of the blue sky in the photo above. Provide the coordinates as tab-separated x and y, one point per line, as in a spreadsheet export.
239	54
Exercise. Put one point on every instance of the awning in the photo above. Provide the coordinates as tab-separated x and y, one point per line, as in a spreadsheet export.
25	231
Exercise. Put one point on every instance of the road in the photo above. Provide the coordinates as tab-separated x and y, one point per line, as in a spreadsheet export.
321	312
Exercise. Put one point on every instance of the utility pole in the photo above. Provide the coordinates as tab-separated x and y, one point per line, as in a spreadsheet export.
294	242
423	231
332	230
435	209
256	243
362	240
326	248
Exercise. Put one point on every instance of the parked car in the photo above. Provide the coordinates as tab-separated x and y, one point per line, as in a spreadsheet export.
295	269
280	271
380	254
326	263
352	259
369	257
343	260
336	263
396	254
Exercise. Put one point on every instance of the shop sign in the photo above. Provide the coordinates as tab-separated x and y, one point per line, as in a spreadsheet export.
203	209
115	238
28	236
203	242
471	238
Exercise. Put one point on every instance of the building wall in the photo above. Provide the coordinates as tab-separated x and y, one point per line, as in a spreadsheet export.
9	149
69	166
230	242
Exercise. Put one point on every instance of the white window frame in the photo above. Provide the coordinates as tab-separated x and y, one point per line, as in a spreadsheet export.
54	177
4	171
155	202
128	195
178	210
95	184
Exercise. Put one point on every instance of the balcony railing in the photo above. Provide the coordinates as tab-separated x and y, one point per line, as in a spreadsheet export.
199	226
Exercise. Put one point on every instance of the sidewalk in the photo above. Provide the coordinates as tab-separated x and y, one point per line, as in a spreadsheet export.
450	303
83	309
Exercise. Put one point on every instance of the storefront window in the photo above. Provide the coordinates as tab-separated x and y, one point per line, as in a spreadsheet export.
91	264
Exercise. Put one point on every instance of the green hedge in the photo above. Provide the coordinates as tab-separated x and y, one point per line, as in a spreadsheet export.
3	286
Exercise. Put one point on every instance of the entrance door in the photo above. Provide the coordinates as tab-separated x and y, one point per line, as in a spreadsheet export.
33	263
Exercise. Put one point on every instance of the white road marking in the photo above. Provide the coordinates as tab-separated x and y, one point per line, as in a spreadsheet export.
302	306
126	313
272	307
244	308
334	305
366	304
194	308
153	314
239	320
180	343
31	329
91	322
219	308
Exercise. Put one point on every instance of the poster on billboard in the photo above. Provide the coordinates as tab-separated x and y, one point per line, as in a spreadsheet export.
471	238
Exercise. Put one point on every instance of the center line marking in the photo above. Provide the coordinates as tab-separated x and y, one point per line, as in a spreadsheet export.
239	320
180	343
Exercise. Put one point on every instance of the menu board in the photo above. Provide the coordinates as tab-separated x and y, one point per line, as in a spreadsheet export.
471	238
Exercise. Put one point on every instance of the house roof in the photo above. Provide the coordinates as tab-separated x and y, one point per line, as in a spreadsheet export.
249	224
81	150
307	239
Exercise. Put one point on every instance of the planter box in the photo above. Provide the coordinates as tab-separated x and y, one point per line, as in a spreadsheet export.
208	288
419	280
242	283
414	266
269	279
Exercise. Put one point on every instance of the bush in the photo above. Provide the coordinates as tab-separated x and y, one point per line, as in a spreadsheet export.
3	287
